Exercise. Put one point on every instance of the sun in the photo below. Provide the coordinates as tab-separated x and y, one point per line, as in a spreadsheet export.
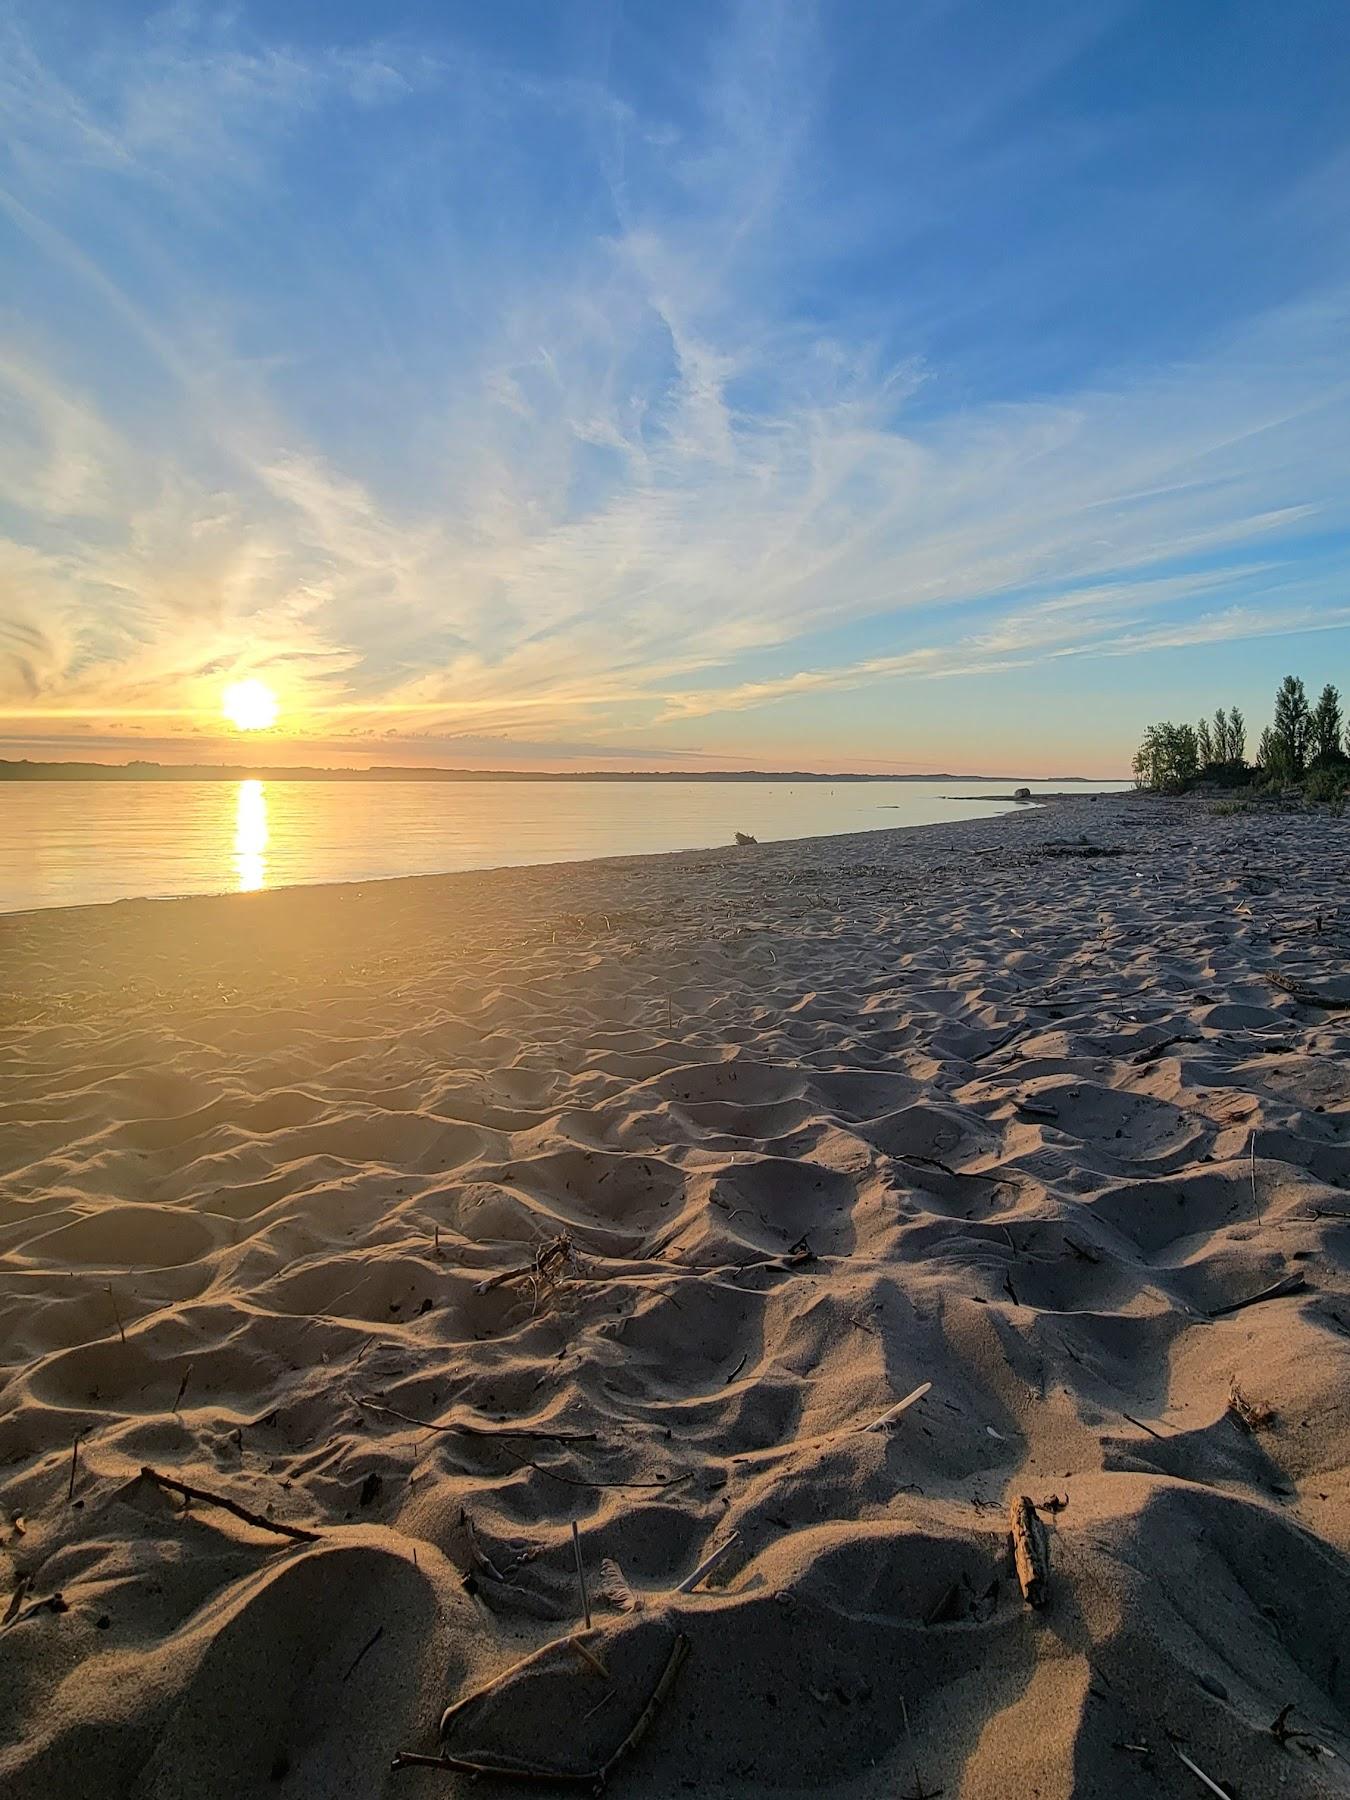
250	705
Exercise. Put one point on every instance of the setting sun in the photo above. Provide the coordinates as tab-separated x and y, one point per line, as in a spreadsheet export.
250	706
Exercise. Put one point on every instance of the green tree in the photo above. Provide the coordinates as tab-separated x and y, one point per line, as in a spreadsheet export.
1237	738
1325	726
1291	728
1204	746
1219	736
1272	756
1168	758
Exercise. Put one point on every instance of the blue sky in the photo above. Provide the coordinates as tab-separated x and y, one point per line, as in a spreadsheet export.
925	385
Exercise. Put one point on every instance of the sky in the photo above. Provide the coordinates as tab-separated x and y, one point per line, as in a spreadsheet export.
606	383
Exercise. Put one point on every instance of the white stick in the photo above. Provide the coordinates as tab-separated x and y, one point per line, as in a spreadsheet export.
1213	1786
901	1406
706	1567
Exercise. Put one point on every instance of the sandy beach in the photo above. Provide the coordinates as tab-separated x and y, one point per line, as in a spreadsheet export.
423	1220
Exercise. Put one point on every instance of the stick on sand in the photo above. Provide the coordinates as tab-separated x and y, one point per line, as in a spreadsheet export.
581	1575
174	1486
593	1778
1031	1551
708	1564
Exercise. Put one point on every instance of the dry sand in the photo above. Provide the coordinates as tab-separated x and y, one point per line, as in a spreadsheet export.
822	1122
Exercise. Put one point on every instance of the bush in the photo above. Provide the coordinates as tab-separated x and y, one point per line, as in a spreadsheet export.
1328	785
1168	759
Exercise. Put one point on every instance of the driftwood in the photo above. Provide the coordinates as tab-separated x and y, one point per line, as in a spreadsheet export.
1307	996
581	1575
174	1486
1291	1284
708	1564
1031	1551
595	1778
1154	1051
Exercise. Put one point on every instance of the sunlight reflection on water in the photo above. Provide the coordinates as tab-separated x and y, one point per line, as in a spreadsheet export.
250	837
65	843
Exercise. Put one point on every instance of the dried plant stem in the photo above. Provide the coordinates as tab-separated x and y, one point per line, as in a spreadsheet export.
412	1759
581	1575
174	1486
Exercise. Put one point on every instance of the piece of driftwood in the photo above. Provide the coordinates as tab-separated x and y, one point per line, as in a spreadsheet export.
1031	1550
16	1600
708	1564
1200	1774
581	1575
1154	1051
1290	1284
1307	996
411	1759
186	1489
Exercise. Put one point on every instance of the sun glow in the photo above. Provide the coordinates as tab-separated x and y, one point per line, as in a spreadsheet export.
250	705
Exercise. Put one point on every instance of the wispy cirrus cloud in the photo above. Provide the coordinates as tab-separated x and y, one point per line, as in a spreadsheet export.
551	416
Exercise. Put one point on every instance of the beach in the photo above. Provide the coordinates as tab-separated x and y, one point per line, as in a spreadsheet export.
423	1220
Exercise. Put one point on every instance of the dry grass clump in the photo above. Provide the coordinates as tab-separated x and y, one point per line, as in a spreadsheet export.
553	1265
1252	1415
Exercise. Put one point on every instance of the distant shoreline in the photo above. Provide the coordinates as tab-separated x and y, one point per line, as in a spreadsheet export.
148	771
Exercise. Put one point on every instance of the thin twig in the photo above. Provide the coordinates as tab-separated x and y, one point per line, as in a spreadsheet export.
74	1464
411	1759
708	1564
1290	1284
573	1481
121	1329
1256	1204
369	1644
453	1711
1148	1428
581	1575
189	1492
1194	1768
679	1651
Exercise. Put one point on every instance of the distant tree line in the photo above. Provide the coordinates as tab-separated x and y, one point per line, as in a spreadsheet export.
1302	746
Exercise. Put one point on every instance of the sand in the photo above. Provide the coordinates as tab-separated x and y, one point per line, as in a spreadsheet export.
811	1126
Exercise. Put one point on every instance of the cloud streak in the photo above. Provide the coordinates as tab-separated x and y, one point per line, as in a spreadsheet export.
607	477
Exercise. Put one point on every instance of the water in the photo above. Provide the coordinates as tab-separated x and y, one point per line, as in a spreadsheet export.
68	843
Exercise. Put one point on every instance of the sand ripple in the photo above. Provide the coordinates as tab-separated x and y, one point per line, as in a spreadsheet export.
819	1123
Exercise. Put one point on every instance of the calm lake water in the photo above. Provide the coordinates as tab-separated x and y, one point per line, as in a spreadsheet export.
69	843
